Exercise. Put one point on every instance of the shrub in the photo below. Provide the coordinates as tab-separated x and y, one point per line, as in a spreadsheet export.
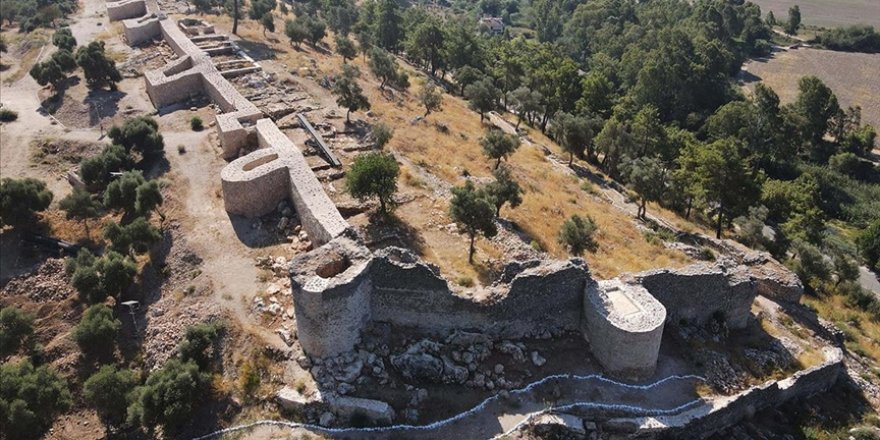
139	134
577	233
381	134
16	328
20	199
858	38
198	340
169	395
97	330
97	278
181	149
472	210
99	70
95	171
465	281
30	398
110	391
133	194
7	115
136	237
498	145
869	245
196	123
64	39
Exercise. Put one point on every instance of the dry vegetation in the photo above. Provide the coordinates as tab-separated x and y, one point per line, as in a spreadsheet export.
827	12
852	76
553	193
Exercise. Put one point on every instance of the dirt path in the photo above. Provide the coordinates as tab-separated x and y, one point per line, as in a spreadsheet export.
217	238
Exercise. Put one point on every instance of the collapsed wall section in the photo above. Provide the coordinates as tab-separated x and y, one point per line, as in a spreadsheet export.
624	325
718	414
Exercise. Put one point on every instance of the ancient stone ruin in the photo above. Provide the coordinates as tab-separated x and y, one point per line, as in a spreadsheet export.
341	287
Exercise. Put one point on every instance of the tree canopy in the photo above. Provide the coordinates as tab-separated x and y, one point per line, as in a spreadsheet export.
99	70
20	199
474	212
372	175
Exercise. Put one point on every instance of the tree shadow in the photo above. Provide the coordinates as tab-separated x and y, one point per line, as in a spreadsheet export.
258	50
747	77
382	231
102	104
259	232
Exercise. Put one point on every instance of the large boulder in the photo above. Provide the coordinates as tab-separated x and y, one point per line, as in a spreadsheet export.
419	366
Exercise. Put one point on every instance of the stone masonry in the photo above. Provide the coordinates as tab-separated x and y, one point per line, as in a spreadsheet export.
340	287
253	184
624	325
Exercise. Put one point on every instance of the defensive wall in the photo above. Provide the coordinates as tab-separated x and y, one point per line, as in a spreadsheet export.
123	9
341	286
719	413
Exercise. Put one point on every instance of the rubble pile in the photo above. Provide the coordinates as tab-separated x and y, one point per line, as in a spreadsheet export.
167	321
470	359
47	283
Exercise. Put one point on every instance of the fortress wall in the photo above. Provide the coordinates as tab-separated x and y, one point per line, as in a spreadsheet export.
139	30
409	293
624	325
317	213
255	183
126	9
249	190
180	43
331	296
697	292
164	90
721	413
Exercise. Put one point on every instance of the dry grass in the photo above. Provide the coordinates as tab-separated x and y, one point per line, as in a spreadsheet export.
827	12
552	194
852	76
24	48
861	329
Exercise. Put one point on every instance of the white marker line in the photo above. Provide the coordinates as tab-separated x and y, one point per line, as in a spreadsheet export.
483	404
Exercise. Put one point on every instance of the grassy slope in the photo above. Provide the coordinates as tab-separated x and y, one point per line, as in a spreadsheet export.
552	194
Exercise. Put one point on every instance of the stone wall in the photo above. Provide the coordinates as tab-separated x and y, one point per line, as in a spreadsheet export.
698	292
409	293
140	30
623	319
624	325
718	414
331	295
124	9
254	184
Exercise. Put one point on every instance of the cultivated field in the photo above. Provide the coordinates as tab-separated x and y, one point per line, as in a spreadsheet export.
852	76
828	13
